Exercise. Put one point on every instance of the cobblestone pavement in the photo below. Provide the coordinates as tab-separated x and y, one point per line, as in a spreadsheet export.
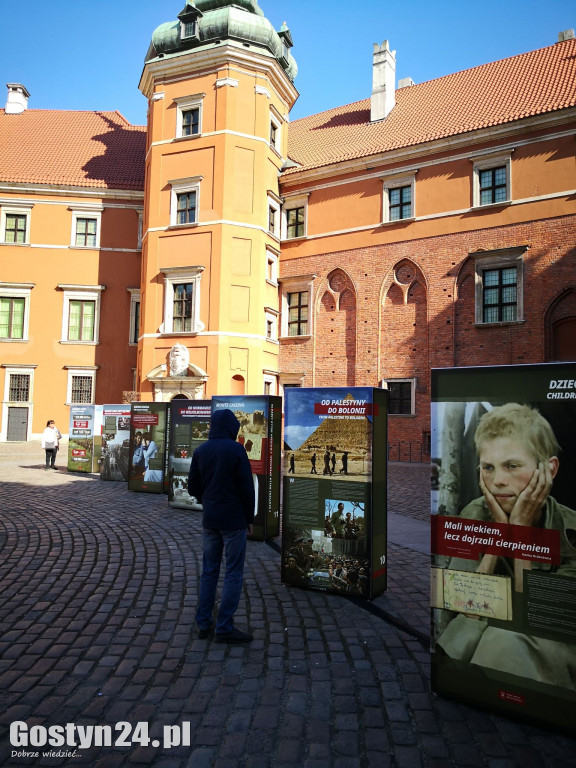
96	608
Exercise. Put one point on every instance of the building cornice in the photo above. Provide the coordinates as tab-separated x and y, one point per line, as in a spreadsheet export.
414	153
196	61
64	189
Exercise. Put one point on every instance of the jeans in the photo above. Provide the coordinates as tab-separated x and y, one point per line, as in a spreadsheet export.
233	545
50	456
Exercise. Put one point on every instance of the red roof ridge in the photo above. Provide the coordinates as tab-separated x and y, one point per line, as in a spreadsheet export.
440	77
495	93
72	112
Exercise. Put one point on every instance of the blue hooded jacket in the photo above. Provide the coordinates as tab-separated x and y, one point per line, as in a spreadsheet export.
220	476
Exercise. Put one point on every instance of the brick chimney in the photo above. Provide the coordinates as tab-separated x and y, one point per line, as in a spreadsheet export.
383	82
17	100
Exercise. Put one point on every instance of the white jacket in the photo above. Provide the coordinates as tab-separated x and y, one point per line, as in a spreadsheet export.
50	437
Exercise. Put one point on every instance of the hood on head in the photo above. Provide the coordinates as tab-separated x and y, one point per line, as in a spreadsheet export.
224	424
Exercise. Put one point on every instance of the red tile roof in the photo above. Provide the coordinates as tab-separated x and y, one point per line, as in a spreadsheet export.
83	149
493	94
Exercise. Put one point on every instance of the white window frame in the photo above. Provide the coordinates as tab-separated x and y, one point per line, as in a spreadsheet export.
175	276
87	372
396	182
412	382
184	104
485	164
134	299
18	291
271	378
194	34
19	370
272	266
22	209
271	316
275	203
81	293
301	201
296	285
505	258
184	186
275	122
86	212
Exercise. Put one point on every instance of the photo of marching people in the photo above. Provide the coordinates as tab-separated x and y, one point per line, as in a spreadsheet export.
115	456
333	559
328	441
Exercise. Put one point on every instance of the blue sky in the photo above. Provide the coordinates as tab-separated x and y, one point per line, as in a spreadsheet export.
301	421
89	55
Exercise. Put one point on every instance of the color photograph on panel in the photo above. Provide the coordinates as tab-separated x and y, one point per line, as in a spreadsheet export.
81	440
334	503
260	418
504	539
115	451
189	428
147	448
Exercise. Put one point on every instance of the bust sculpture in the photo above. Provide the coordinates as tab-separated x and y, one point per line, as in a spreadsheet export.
179	360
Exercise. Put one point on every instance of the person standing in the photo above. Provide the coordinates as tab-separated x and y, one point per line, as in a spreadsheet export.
150	449
220	477
313	462
50	442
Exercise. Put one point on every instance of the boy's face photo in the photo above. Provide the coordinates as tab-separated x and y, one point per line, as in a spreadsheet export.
507	468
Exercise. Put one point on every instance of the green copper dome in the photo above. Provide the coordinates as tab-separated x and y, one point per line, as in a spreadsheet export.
208	22
211	5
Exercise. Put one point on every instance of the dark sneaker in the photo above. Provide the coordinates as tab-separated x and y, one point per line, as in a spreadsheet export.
203	633
236	636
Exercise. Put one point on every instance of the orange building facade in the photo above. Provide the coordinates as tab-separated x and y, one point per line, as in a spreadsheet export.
224	250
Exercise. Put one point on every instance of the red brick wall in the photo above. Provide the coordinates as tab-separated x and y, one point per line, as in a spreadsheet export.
407	307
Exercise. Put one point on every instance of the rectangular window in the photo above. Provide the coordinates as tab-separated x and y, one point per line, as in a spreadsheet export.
189	110
400	397
182	300
182	311
15	231
493	185
191	122
12	318
273	135
19	391
271	319
499	295
189	29
271	218
81	391
298	313
400	203
186	207
86	232
81	319
136	321
295	222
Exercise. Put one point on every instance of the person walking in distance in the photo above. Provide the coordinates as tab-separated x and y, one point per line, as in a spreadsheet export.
50	442
220	478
